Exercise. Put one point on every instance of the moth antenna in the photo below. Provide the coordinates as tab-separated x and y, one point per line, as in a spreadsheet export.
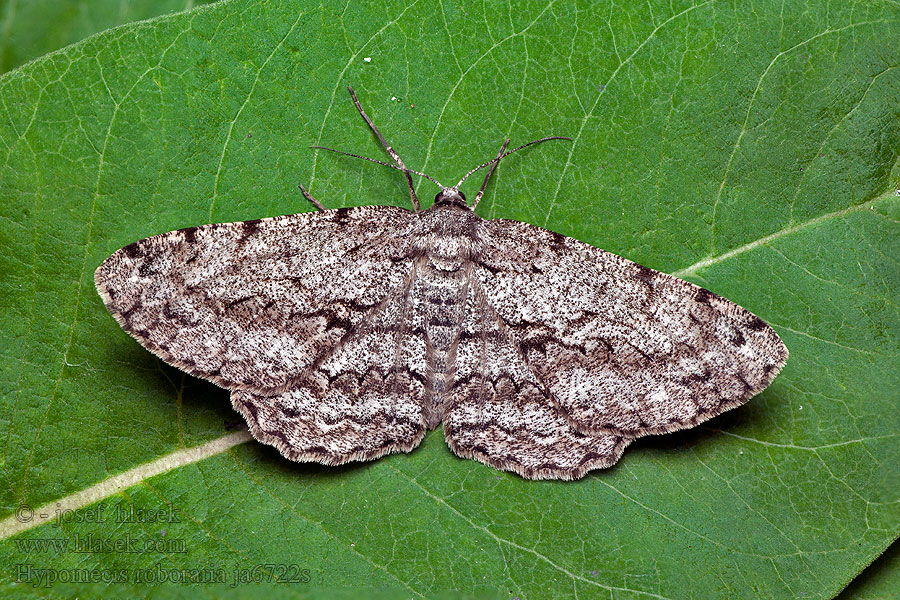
405	170
496	160
490	172
387	147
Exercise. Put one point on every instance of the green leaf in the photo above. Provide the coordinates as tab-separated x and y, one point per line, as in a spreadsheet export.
752	149
30	29
880	581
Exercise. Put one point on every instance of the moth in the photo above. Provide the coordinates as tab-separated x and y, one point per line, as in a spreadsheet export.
344	335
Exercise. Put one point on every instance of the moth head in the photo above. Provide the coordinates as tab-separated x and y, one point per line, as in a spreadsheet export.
451	196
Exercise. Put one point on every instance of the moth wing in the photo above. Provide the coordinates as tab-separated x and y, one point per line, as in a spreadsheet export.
622	348
500	414
251	305
359	402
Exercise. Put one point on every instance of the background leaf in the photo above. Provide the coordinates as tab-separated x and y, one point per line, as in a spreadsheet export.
30	29
751	149
880	581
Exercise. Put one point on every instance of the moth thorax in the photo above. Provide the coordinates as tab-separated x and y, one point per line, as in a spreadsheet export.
446	264
448	252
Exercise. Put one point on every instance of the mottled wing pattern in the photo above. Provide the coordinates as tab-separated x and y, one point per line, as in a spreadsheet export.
252	305
360	401
501	415
622	348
